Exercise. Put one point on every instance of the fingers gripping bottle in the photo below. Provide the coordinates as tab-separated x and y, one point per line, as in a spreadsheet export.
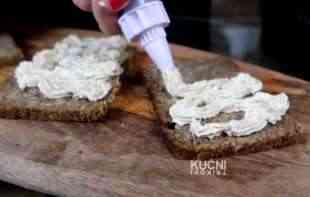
145	21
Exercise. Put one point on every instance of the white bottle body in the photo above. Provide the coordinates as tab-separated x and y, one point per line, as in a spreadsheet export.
145	21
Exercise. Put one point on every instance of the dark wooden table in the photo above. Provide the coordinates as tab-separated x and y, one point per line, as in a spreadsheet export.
124	155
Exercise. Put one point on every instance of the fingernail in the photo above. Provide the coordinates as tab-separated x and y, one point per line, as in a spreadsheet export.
114	5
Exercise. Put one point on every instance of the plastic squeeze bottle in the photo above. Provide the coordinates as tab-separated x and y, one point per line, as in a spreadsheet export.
145	21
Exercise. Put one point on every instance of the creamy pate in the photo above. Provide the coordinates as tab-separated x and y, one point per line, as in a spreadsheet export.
198	102
76	67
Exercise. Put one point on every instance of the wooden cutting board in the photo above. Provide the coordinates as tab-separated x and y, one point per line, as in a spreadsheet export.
124	155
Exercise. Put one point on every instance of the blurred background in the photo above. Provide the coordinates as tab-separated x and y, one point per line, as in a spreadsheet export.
268	33
258	31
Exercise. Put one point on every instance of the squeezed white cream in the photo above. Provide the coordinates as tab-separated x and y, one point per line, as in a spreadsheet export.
75	67
196	103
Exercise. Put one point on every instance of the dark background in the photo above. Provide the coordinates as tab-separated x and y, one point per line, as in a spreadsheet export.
282	29
189	21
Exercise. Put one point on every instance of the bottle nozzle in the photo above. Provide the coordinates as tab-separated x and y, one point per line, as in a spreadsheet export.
155	43
145	21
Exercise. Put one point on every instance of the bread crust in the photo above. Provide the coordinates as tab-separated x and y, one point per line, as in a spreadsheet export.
30	104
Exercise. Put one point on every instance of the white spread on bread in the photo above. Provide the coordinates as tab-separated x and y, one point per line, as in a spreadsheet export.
198	102
75	67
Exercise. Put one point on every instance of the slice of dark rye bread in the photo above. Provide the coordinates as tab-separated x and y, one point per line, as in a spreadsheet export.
30	104
186	146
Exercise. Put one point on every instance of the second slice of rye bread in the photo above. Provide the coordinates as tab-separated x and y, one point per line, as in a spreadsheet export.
184	145
30	104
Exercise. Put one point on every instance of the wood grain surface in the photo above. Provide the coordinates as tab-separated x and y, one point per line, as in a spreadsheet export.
124	155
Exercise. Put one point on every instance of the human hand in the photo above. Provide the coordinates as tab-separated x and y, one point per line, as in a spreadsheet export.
105	12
